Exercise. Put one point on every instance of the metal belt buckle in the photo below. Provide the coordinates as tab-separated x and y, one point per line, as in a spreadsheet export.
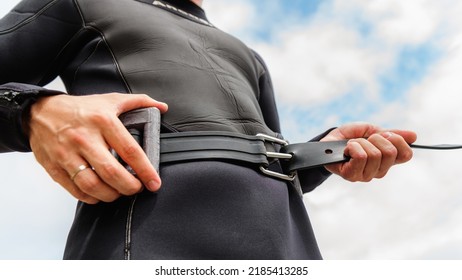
285	156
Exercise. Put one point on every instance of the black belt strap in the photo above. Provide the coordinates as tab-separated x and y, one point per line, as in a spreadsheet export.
313	154
259	149
186	146
144	125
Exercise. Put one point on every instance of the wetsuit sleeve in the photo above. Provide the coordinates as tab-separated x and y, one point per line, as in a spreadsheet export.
310	178
266	98
33	39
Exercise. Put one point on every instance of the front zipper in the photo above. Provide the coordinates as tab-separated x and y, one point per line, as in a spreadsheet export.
128	229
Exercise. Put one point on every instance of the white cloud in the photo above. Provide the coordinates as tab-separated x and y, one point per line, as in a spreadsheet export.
395	22
433	103
415	212
321	61
235	17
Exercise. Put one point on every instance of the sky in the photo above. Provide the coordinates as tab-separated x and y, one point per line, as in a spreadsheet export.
394	63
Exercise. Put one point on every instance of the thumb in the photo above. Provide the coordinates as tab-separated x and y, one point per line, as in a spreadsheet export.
409	136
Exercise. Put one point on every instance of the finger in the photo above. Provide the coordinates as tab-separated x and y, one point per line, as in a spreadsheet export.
370	163
62	177
354	168
409	136
388	151
401	144
130	102
89	183
353	130
110	171
132	153
93	146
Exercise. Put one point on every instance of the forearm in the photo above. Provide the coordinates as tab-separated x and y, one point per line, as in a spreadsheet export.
31	53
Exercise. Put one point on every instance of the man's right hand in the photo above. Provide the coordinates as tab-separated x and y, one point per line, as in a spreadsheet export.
67	132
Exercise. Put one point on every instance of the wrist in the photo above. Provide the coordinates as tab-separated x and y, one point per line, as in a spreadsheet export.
15	104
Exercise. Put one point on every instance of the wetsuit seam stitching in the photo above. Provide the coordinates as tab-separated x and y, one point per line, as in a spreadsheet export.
85	61
179	14
116	63
79	11
29	19
103	38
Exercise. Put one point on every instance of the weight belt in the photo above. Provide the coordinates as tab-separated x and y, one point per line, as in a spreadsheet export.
260	150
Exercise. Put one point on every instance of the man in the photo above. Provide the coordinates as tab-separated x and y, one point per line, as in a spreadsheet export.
207	209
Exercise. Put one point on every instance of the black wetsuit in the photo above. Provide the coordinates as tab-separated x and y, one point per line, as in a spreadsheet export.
209	209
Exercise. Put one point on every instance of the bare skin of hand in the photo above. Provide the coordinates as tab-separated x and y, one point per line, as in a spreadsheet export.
372	150
69	131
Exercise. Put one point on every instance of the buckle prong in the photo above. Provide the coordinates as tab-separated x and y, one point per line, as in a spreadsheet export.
278	155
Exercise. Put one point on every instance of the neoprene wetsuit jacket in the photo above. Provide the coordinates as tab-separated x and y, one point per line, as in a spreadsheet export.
211	81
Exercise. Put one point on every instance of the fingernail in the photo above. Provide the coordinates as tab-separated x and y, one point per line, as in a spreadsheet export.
153	185
165	105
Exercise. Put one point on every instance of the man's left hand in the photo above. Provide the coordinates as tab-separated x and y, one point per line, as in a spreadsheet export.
372	150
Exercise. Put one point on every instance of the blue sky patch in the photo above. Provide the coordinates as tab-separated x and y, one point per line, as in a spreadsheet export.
275	14
311	120
412	65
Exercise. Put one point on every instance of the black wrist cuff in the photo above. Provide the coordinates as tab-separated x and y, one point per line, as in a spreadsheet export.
15	102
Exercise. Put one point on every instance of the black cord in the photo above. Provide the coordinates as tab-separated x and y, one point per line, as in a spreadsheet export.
436	147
